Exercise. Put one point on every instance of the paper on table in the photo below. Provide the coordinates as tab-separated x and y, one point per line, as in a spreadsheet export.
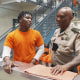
43	71
20	66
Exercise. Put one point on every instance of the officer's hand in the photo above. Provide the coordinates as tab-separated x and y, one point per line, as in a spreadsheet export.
59	69
33	61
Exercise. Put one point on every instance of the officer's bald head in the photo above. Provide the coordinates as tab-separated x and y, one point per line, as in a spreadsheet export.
64	17
67	10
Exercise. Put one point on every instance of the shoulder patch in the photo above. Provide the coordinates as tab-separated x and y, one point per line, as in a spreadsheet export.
76	30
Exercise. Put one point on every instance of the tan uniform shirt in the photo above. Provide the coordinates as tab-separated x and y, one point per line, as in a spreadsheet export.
68	42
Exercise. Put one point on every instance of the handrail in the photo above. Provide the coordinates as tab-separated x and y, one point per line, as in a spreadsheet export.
32	2
4	34
9	30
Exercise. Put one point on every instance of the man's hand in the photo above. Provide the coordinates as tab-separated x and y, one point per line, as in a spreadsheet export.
7	65
33	61
59	69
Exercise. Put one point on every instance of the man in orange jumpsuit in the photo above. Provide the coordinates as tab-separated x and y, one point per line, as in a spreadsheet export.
23	41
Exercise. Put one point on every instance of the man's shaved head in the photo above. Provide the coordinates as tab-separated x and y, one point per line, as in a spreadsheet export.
67	10
64	17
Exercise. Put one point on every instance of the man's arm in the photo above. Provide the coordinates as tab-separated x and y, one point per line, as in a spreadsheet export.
6	51
62	68
38	54
75	62
6	58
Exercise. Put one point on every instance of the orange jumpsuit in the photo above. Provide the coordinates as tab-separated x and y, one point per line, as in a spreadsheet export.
75	2
24	44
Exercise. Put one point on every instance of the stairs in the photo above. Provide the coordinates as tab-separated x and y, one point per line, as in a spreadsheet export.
44	21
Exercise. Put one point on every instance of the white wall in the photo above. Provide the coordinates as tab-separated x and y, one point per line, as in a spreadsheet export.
8	1
10	11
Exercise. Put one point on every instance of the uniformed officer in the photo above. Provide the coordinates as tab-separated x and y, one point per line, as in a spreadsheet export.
65	53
